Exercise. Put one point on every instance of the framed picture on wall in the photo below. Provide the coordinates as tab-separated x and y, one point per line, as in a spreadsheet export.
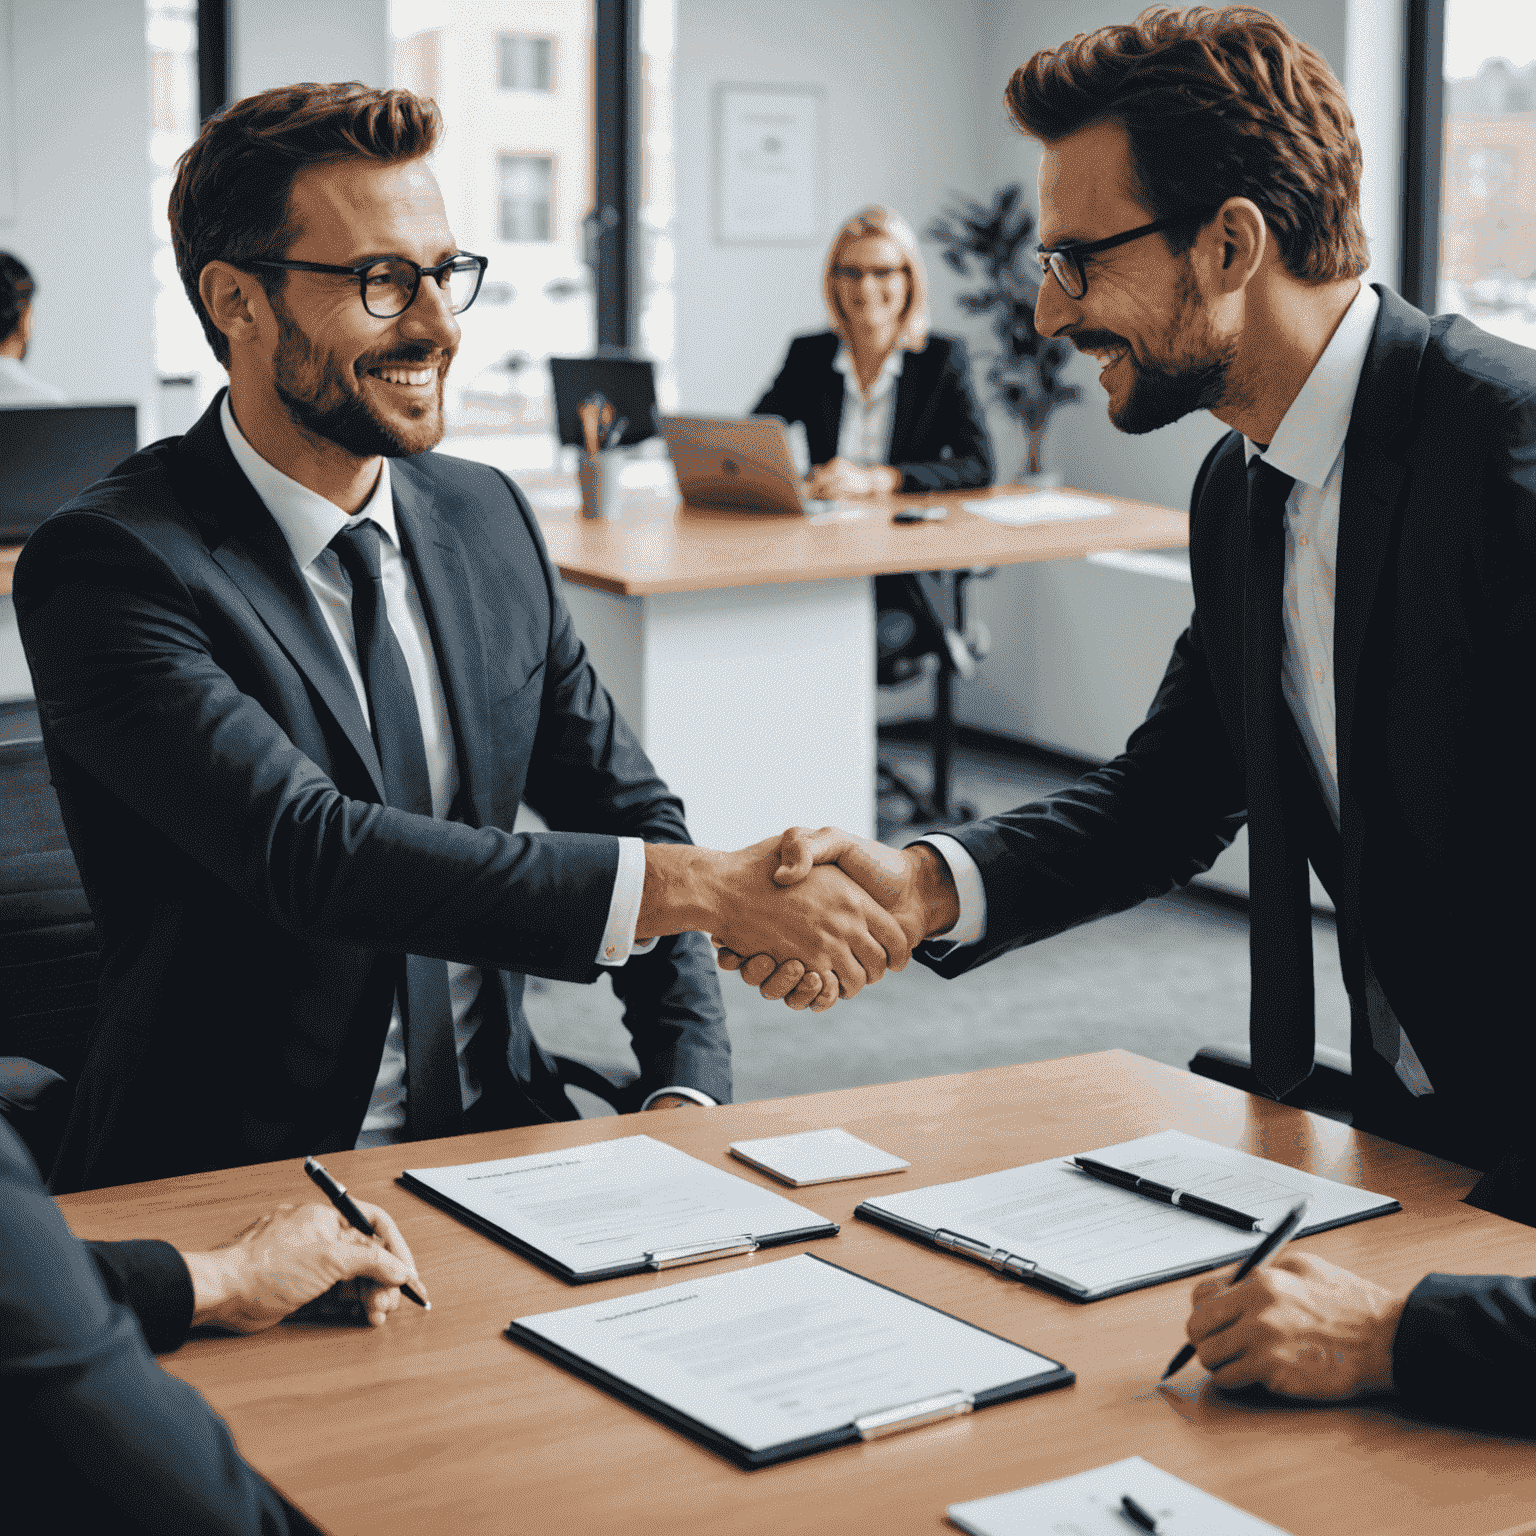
768	164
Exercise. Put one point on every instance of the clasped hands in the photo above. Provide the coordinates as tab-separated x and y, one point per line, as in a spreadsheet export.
857	909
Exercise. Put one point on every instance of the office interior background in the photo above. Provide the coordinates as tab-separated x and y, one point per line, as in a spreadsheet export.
559	109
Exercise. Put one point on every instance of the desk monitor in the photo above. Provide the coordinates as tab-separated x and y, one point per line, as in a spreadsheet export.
50	453
627	383
746	464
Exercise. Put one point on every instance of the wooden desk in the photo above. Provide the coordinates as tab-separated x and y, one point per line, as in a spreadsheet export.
439	1423
9	554
740	646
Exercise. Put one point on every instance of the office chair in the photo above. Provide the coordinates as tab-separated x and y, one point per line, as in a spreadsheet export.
909	628
1325	1092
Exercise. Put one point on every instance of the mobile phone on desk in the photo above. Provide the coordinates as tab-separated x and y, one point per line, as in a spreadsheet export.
921	515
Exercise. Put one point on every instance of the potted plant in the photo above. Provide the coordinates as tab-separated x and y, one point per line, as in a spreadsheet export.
1026	372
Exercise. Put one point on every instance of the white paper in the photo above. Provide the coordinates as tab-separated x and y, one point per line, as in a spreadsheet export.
1038	507
1089	1505
817	1157
605	1205
1099	1237
782	1350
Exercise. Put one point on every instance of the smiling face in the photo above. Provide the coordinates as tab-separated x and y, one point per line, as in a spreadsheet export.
872	284
370	386
1142	314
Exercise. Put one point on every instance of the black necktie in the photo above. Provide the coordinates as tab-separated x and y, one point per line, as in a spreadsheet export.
1279	900
433	1103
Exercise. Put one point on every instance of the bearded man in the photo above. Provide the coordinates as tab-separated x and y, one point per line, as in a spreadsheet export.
295	674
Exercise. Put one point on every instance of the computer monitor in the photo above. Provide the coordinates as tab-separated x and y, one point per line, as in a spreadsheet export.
628	384
50	453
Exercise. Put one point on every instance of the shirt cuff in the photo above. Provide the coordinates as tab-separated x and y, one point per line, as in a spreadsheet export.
618	941
682	1093
972	922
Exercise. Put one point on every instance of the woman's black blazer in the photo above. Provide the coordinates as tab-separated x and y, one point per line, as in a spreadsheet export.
938	435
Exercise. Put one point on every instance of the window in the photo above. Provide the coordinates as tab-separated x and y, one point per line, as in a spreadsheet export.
1479	237
526	62
523	185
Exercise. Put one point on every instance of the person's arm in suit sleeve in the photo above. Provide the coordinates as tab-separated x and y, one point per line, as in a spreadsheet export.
108	1441
1465	1349
152	1280
961	423
588	773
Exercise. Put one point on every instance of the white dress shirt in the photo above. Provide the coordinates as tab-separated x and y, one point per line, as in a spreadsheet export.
20	386
308	523
864	429
1308	445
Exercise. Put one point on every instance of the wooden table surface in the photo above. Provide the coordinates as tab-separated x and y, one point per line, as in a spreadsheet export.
439	1423
660	545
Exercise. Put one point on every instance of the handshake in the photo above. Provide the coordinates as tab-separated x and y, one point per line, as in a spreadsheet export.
807	917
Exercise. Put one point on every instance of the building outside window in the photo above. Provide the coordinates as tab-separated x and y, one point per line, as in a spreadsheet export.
523	190
1488	168
525	63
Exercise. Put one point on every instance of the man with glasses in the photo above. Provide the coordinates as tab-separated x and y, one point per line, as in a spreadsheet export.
295	675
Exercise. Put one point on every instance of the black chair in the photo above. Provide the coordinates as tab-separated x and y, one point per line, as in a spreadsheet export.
1325	1092
919	615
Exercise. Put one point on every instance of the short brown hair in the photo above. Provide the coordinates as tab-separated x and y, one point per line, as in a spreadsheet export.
1217	103
230	200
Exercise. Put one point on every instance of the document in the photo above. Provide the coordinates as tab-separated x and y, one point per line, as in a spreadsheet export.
593	1212
782	1358
1051	1223
816	1157
1089	1504
1038	507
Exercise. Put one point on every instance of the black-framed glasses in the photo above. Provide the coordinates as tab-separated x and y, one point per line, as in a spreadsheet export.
389	286
845	274
1064	262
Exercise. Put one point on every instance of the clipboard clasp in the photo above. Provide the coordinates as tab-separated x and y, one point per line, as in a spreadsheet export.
699	1253
999	1258
926	1410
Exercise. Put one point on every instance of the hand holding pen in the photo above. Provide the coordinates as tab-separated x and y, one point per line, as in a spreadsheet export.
1261	1255
338	1196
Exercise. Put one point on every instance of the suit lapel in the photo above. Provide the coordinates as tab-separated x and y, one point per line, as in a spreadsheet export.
251	550
1375	478
438	560
907	396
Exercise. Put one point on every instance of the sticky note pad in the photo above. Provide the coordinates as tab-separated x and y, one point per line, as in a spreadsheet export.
816	1157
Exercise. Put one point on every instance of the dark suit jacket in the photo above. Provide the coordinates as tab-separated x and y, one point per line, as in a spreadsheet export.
97	1437
938	431
222	795
1435	656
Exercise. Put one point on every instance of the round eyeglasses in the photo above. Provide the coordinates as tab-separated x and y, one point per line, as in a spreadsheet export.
389	285
1064	262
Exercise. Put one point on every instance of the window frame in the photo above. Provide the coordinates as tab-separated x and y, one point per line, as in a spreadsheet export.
1423	152
525	153
554	64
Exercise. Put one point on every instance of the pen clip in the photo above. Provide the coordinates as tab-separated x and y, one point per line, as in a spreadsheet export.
699	1253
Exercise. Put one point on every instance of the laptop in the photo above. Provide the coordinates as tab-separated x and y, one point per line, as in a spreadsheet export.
628	384
50	453
745	464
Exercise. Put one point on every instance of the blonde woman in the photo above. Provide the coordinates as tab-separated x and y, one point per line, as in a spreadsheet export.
887	405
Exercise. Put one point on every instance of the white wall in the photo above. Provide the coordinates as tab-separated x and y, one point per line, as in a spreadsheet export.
81	79
900	127
280	42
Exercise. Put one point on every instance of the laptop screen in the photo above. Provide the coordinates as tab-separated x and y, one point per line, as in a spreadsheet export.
50	453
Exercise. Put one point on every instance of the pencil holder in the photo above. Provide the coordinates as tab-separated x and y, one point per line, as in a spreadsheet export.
599	477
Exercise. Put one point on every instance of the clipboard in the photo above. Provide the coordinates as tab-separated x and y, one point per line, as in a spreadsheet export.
821	1279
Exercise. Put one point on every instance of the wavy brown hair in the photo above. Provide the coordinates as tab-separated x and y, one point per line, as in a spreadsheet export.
1217	102
230	200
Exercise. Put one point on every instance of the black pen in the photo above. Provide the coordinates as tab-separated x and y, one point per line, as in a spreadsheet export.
1136	1514
1260	1255
1182	1198
338	1196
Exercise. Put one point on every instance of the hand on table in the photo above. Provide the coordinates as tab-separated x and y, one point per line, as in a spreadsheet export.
1302	1327
912	884
297	1255
842	477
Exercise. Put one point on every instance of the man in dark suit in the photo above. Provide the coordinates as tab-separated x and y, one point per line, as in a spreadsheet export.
295	675
97	1437
1355	683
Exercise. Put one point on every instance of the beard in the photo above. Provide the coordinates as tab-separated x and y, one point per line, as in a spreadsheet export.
1190	376
320	400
